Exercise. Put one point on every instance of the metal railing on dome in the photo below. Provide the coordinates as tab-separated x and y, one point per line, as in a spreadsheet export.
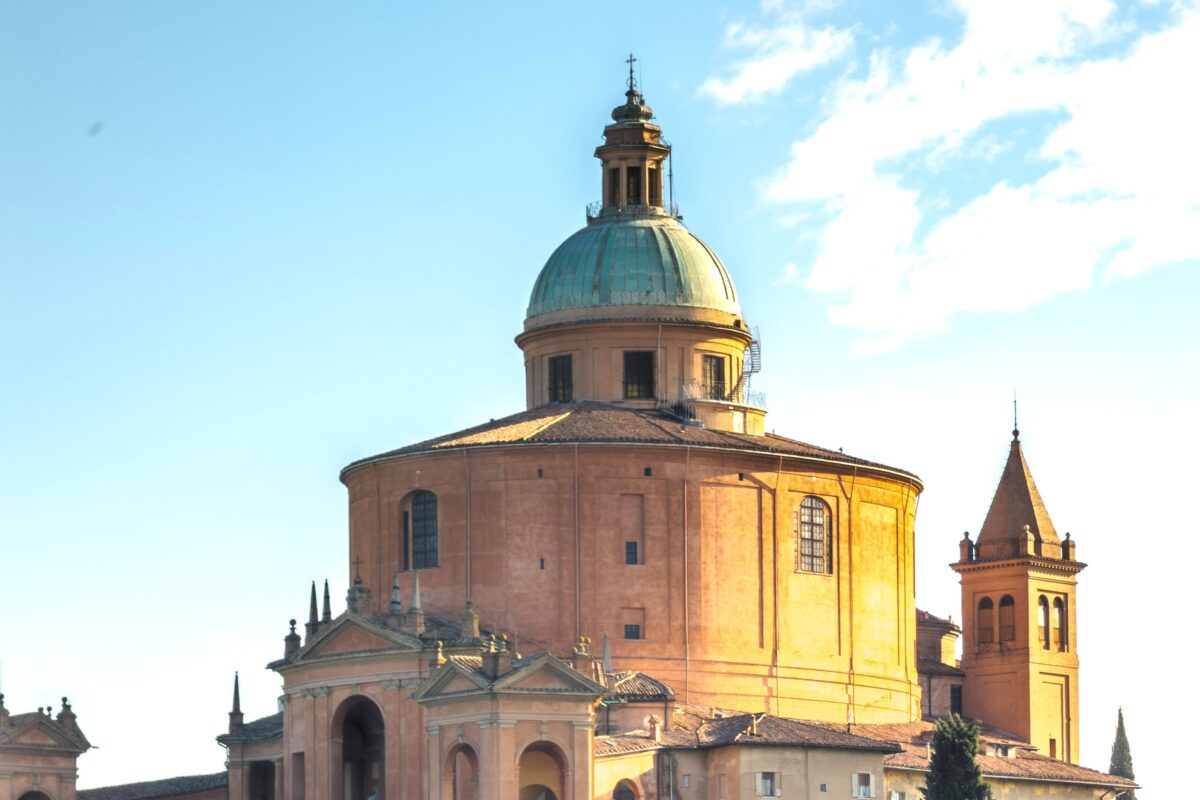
720	392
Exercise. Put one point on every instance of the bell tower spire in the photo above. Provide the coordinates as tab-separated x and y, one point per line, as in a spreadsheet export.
632	157
1018	612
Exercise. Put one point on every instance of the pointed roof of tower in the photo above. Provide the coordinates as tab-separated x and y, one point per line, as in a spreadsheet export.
1017	503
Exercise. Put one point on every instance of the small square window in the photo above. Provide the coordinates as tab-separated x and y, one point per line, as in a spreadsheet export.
687	781
631	553
648	472
633	631
824	788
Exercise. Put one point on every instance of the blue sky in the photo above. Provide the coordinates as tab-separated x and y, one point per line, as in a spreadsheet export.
241	246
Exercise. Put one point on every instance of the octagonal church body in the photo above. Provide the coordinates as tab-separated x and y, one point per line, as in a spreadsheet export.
685	587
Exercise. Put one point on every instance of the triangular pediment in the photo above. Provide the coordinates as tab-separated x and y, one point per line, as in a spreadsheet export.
451	678
353	633
547	674
38	731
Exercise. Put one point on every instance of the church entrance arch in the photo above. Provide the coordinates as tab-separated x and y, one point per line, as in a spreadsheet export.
460	774
540	772
34	794
357	752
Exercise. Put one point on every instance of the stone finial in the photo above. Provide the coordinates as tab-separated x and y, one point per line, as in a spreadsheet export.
313	624
606	655
581	646
66	716
396	605
291	642
581	656
439	656
416	617
235	715
326	610
966	550
3	711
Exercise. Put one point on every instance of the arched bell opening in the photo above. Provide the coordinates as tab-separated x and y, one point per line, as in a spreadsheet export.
541	770
357	751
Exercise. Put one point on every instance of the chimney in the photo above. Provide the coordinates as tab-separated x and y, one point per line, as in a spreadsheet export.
655	726
291	642
470	622
235	716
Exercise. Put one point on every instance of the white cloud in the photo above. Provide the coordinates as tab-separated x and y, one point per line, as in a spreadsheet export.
777	55
1121	195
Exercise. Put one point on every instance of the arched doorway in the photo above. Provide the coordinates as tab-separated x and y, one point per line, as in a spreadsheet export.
34	794
625	791
359	726
460	774
540	772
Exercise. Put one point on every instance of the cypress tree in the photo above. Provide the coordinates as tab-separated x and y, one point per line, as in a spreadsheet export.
953	773
1121	762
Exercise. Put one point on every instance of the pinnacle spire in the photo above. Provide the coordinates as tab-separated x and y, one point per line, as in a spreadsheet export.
312	605
416	590
1016	505
326	613
396	606
237	695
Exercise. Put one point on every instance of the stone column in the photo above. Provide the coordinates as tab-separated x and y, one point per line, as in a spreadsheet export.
432	778
279	788
393	724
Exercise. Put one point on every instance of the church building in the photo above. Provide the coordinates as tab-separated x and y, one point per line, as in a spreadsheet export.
631	589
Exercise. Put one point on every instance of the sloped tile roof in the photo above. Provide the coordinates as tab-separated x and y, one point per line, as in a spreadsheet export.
1017	503
934	621
148	790
636	686
593	422
693	728
1026	764
257	730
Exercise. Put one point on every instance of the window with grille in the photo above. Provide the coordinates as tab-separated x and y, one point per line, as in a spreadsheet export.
639	374
561	387
633	631
614	187
655	185
1008	619
424	530
712	377
812	531
631	553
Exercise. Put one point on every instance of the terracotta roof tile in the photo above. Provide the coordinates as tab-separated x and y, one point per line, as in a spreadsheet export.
637	686
1017	503
168	787
599	423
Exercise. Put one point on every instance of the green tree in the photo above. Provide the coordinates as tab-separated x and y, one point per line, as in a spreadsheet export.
953	773
1121	762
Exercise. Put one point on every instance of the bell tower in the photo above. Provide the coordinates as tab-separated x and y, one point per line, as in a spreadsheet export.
1018	614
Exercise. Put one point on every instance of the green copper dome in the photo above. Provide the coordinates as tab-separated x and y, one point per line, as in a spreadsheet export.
645	260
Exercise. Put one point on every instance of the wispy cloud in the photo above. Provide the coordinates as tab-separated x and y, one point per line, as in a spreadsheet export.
777	54
1119	192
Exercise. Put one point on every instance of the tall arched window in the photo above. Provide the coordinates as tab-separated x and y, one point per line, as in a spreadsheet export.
985	622
1044	622
624	791
1008	619
1060	624
419	532
812	533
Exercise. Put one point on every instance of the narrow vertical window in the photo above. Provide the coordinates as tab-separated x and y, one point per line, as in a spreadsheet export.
1060	625
639	374
424	530
812	533
712	377
614	187
631	553
1008	619
1044	622
985	622
655	185
633	185
561	385
956	699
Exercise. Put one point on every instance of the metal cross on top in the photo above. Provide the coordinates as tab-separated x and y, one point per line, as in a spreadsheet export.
631	61
357	562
